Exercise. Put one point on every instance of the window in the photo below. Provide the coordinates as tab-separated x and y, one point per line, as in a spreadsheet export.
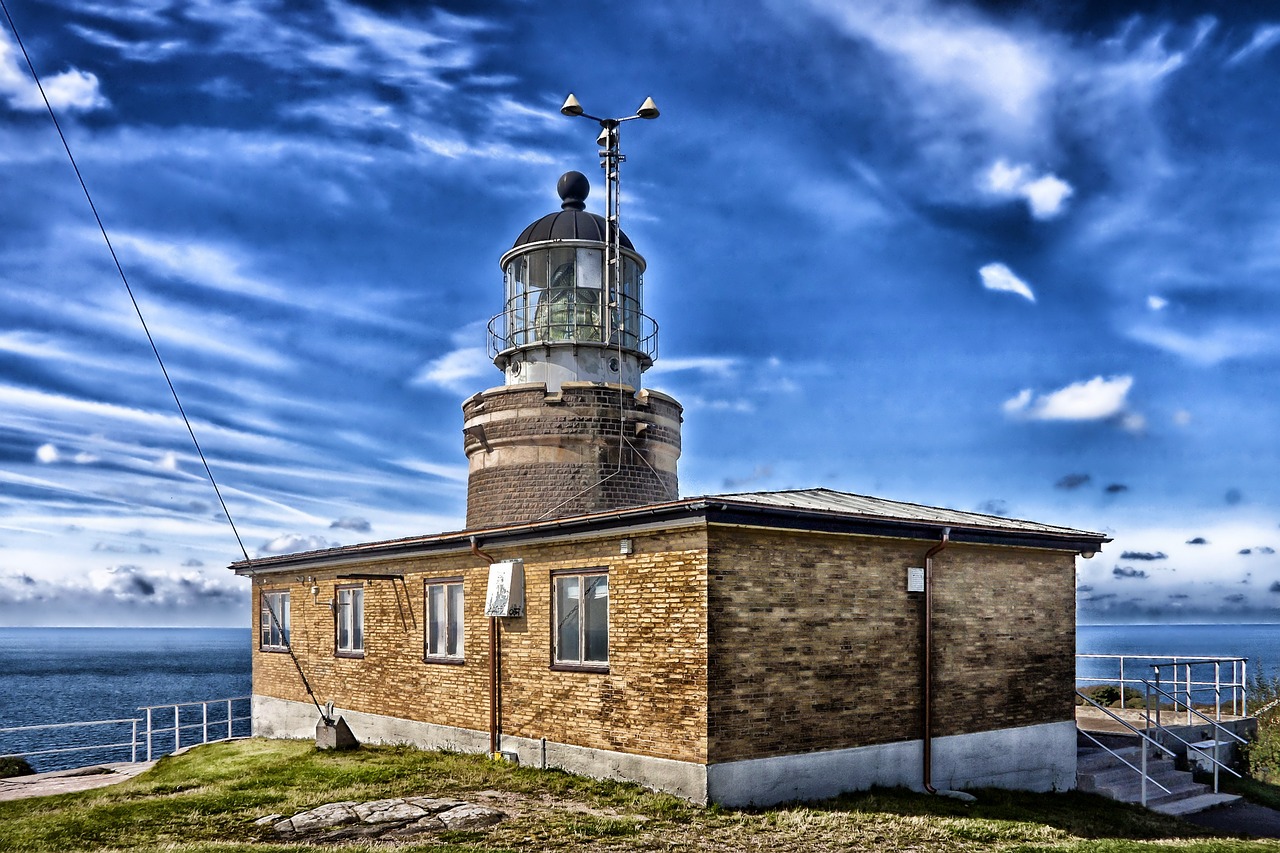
444	620
582	619
350	617
274	620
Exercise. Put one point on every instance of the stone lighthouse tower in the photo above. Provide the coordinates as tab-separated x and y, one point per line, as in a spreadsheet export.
571	430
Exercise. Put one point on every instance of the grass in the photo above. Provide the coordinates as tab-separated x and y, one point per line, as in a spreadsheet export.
208	798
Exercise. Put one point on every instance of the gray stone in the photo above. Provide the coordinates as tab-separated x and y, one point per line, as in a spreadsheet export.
271	818
470	816
322	817
388	811
435	805
419	827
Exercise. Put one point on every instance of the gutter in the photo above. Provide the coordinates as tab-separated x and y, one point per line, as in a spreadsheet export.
495	665
927	664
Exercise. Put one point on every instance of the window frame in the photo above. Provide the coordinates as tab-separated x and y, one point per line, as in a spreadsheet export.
581	664
266	627
355	591
445	658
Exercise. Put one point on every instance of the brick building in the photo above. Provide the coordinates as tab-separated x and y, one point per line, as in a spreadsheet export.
744	648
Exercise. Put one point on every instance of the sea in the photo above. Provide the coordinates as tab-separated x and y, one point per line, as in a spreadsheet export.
62	675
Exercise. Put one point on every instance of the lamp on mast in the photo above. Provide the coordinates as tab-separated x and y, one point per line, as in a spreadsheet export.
611	157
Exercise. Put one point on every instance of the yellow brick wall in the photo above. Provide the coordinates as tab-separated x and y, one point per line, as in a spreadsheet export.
651	702
815	644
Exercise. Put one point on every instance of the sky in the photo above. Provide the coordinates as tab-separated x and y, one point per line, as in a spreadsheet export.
1019	258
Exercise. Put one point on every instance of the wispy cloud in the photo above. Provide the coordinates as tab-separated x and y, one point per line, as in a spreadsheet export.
1093	399
997	276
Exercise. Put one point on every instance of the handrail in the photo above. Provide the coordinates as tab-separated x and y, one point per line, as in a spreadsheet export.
1130	726
50	747
1210	720
1184	678
1217	727
1146	777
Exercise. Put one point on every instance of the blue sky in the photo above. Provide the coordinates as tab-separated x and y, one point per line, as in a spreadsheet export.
1017	258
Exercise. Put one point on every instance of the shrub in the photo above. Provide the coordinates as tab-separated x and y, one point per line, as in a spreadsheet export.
14	767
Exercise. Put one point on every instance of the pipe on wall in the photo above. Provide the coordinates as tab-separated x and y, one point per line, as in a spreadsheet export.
495	638
927	663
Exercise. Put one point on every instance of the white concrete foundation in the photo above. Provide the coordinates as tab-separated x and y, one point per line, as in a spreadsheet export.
283	718
1032	758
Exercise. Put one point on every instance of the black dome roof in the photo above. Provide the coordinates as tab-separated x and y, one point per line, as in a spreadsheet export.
572	221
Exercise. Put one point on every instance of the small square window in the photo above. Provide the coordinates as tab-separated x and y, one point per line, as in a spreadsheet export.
581	608
350	621
444	620
274	621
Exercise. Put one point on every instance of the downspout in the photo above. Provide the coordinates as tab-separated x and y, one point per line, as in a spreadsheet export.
495	698
927	704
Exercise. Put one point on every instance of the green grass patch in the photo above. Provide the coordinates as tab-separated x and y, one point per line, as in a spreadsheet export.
208	798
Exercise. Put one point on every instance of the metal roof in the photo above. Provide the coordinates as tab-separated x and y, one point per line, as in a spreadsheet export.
845	503
799	509
571	222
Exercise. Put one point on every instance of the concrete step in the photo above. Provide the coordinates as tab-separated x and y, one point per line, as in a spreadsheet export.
1191	805
1130	791
1120	774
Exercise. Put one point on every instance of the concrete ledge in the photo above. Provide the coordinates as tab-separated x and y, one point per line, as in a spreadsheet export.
284	718
1031	758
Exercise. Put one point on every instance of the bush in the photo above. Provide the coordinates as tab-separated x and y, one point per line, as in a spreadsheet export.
14	767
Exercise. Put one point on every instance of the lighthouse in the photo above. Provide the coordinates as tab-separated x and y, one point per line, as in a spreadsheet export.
571	430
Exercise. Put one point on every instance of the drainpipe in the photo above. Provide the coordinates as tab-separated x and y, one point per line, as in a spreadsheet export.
927	704
495	697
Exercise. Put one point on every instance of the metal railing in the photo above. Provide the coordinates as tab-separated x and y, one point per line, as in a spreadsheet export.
229	719
131	743
1218	731
1204	680
512	328
146	735
1145	740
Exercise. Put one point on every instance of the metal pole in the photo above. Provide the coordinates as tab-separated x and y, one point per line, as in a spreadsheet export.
1158	696
229	735
1144	774
204	721
1217	690
1188	669
148	734
177	730
1215	762
1244	689
1121	681
134	755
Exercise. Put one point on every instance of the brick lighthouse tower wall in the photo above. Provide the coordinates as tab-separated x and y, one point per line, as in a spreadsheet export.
586	448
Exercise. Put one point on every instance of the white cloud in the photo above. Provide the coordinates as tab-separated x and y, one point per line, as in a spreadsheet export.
953	49
1045	195
1214	346
294	543
1264	38
1182	418
69	90
457	473
169	461
1157	303
1088	400
457	371
47	454
719	366
997	276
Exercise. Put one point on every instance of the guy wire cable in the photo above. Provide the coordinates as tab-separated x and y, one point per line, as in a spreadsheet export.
138	310
150	340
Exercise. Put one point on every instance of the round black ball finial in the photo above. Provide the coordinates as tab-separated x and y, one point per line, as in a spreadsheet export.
573	188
